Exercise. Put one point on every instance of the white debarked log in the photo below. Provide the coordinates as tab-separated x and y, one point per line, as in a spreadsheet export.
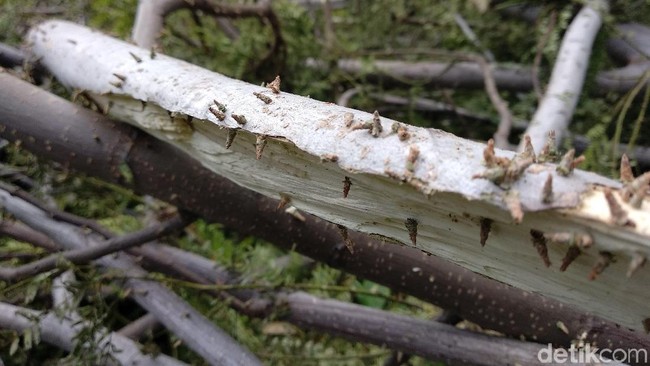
405	176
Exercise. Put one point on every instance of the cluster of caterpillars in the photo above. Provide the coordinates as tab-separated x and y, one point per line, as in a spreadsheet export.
375	127
219	111
504	172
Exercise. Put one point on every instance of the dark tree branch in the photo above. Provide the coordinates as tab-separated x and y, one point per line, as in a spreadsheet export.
359	323
164	172
20	232
468	75
461	75
87	254
400	358
432	340
55	213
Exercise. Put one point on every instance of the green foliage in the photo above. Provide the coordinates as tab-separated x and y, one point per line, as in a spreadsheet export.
370	300
112	16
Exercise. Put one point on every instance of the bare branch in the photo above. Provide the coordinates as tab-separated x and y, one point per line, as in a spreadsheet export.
468	75
151	14
462	75
505	123
568	76
55	213
149	20
631	43
401	358
471	36
20	232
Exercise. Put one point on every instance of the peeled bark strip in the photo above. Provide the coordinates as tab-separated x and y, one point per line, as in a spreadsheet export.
310	150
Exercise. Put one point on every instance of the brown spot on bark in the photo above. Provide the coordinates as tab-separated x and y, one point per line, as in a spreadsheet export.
347	183
572	253
486	227
412	227
539	242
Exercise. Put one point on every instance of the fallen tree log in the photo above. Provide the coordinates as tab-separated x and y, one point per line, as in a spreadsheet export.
55	129
414	186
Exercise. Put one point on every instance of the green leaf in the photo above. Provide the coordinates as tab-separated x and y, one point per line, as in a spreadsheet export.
27	338
36	335
14	346
377	302
126	173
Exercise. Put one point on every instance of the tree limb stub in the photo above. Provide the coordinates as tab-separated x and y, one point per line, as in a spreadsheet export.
310	150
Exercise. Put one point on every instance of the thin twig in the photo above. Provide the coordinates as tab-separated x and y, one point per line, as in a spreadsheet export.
56	213
469	33
505	117
87	254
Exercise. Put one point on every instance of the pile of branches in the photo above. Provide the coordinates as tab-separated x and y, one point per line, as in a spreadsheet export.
58	130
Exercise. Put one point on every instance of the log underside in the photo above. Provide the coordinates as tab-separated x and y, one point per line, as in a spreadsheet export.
310	151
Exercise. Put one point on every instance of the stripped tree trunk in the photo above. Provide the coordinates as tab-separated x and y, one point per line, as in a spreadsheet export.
411	185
